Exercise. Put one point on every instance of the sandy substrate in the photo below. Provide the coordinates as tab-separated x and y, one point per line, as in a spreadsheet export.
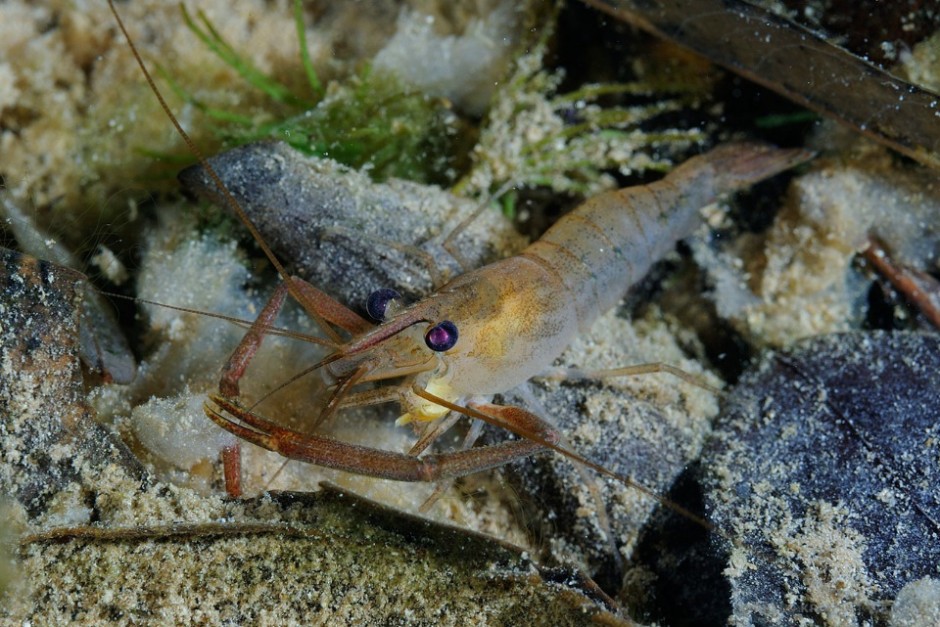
130	472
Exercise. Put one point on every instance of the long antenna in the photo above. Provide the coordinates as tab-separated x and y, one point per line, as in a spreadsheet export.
230	200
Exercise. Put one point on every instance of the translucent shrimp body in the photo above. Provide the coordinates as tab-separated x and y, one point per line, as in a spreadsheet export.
490	329
517	315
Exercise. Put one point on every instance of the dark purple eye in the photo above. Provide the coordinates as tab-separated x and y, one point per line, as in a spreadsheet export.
442	336
377	304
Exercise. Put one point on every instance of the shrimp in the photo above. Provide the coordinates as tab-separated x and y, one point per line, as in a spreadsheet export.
485	331
491	329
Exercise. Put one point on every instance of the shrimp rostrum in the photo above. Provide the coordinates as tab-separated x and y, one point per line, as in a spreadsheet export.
490	329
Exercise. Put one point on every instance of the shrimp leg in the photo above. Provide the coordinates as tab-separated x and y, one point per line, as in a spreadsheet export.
656	367
332	453
537	436
321	306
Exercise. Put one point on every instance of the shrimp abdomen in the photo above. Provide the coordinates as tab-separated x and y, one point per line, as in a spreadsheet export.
610	241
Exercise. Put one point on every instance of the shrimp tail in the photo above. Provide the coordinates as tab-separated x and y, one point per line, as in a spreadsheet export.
737	166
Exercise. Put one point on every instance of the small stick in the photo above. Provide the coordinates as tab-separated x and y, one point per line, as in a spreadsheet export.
909	282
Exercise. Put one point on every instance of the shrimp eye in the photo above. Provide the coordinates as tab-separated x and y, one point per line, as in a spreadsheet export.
442	336
377	304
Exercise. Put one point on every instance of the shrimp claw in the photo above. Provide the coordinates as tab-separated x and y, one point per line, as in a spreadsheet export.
332	453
